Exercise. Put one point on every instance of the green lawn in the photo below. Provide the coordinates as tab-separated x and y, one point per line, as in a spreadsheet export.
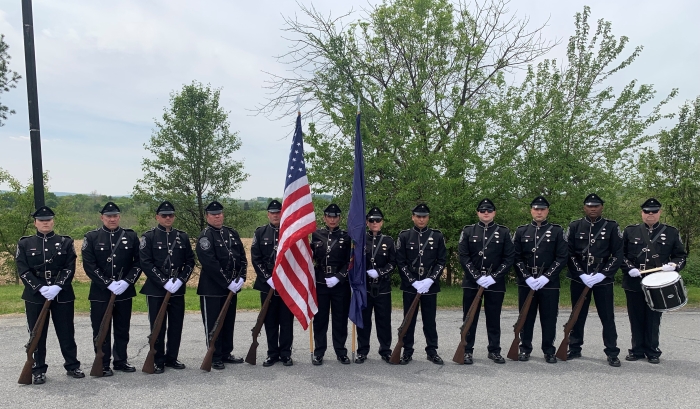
249	299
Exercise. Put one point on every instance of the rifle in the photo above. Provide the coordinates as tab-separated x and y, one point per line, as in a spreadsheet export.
518	327
464	329
396	353
149	363
100	338
214	334
569	326
251	357
25	378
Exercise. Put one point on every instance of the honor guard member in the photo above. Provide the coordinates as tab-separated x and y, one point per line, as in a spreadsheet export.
595	254
46	265
111	260
647	245
279	320
224	263
380	256
540	255
486	254
331	252
421	255
167	261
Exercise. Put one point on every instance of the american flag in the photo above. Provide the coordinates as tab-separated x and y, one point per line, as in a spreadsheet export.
294	270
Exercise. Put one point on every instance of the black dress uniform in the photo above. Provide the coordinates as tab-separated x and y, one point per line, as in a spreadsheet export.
540	251
223	259
485	250
595	246
331	253
380	255
664	246
45	260
421	254
279	321
166	256
110	256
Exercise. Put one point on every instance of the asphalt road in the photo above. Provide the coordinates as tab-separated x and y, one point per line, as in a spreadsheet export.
578	383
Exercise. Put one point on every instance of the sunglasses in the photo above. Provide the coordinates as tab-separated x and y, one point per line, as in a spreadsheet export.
375	220
485	211
650	211
166	216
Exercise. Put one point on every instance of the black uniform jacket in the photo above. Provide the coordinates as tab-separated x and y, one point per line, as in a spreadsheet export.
486	249
165	255
44	260
331	252
380	255
594	246
420	254
106	258
667	248
223	259
540	250
263	252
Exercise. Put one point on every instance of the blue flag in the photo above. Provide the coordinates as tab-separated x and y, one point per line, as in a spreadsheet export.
356	231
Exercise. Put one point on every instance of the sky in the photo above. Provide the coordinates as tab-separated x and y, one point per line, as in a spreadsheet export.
106	71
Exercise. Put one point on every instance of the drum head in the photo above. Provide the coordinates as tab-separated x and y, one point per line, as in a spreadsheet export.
660	279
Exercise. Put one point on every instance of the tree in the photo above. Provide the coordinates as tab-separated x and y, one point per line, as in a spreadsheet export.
8	78
191	161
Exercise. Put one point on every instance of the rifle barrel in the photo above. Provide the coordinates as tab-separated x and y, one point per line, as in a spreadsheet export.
396	353
25	377
459	353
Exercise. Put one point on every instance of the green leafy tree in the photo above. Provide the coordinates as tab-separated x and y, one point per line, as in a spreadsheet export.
8	78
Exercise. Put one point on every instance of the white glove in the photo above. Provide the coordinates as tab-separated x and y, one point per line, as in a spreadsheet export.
175	286
123	285
480	280
168	286
232	286
331	282
239	284
488	281
417	285
634	272
113	287
373	273
541	282
586	279
669	267
532	283
43	290
270	283
596	278
425	285
52	292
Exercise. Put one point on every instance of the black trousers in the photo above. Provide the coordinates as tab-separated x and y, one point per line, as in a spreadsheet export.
493	302
381	304
62	316
174	317
334	300
547	301
428	309
211	307
121	321
279	327
605	304
645	325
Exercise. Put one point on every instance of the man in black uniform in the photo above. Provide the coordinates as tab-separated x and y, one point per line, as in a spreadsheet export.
167	260
421	255
224	263
380	256
595	254
647	245
331	252
279	320
486	254
540	255
111	260
46	265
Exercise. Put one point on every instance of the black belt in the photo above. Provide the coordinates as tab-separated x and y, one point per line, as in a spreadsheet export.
329	270
48	274
590	260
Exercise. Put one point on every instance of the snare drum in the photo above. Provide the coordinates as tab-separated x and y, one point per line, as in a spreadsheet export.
665	291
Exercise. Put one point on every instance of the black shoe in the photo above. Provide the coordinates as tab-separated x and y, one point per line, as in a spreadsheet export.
39	378
233	360
386	358
573	354
158	369
107	371
405	360
496	357
613	361
653	360
287	361
76	373
175	364
318	360
633	357
124	367
550	358
360	359
269	361
343	359
218	365
435	359
468	359
523	357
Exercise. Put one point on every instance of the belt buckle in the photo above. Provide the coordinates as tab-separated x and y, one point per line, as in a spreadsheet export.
421	270
329	270
534	270
591	260
47	274
642	267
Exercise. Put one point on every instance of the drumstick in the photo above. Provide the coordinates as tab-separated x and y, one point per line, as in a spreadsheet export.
651	270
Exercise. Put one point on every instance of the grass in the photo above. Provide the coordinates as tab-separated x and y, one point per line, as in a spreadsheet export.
249	299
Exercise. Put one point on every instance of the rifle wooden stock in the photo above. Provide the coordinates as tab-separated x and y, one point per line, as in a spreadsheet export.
149	363
253	350
100	338
396	353
464	331
206	363
518	327
569	326
25	378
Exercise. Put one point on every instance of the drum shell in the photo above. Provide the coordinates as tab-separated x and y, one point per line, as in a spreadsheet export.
667	297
